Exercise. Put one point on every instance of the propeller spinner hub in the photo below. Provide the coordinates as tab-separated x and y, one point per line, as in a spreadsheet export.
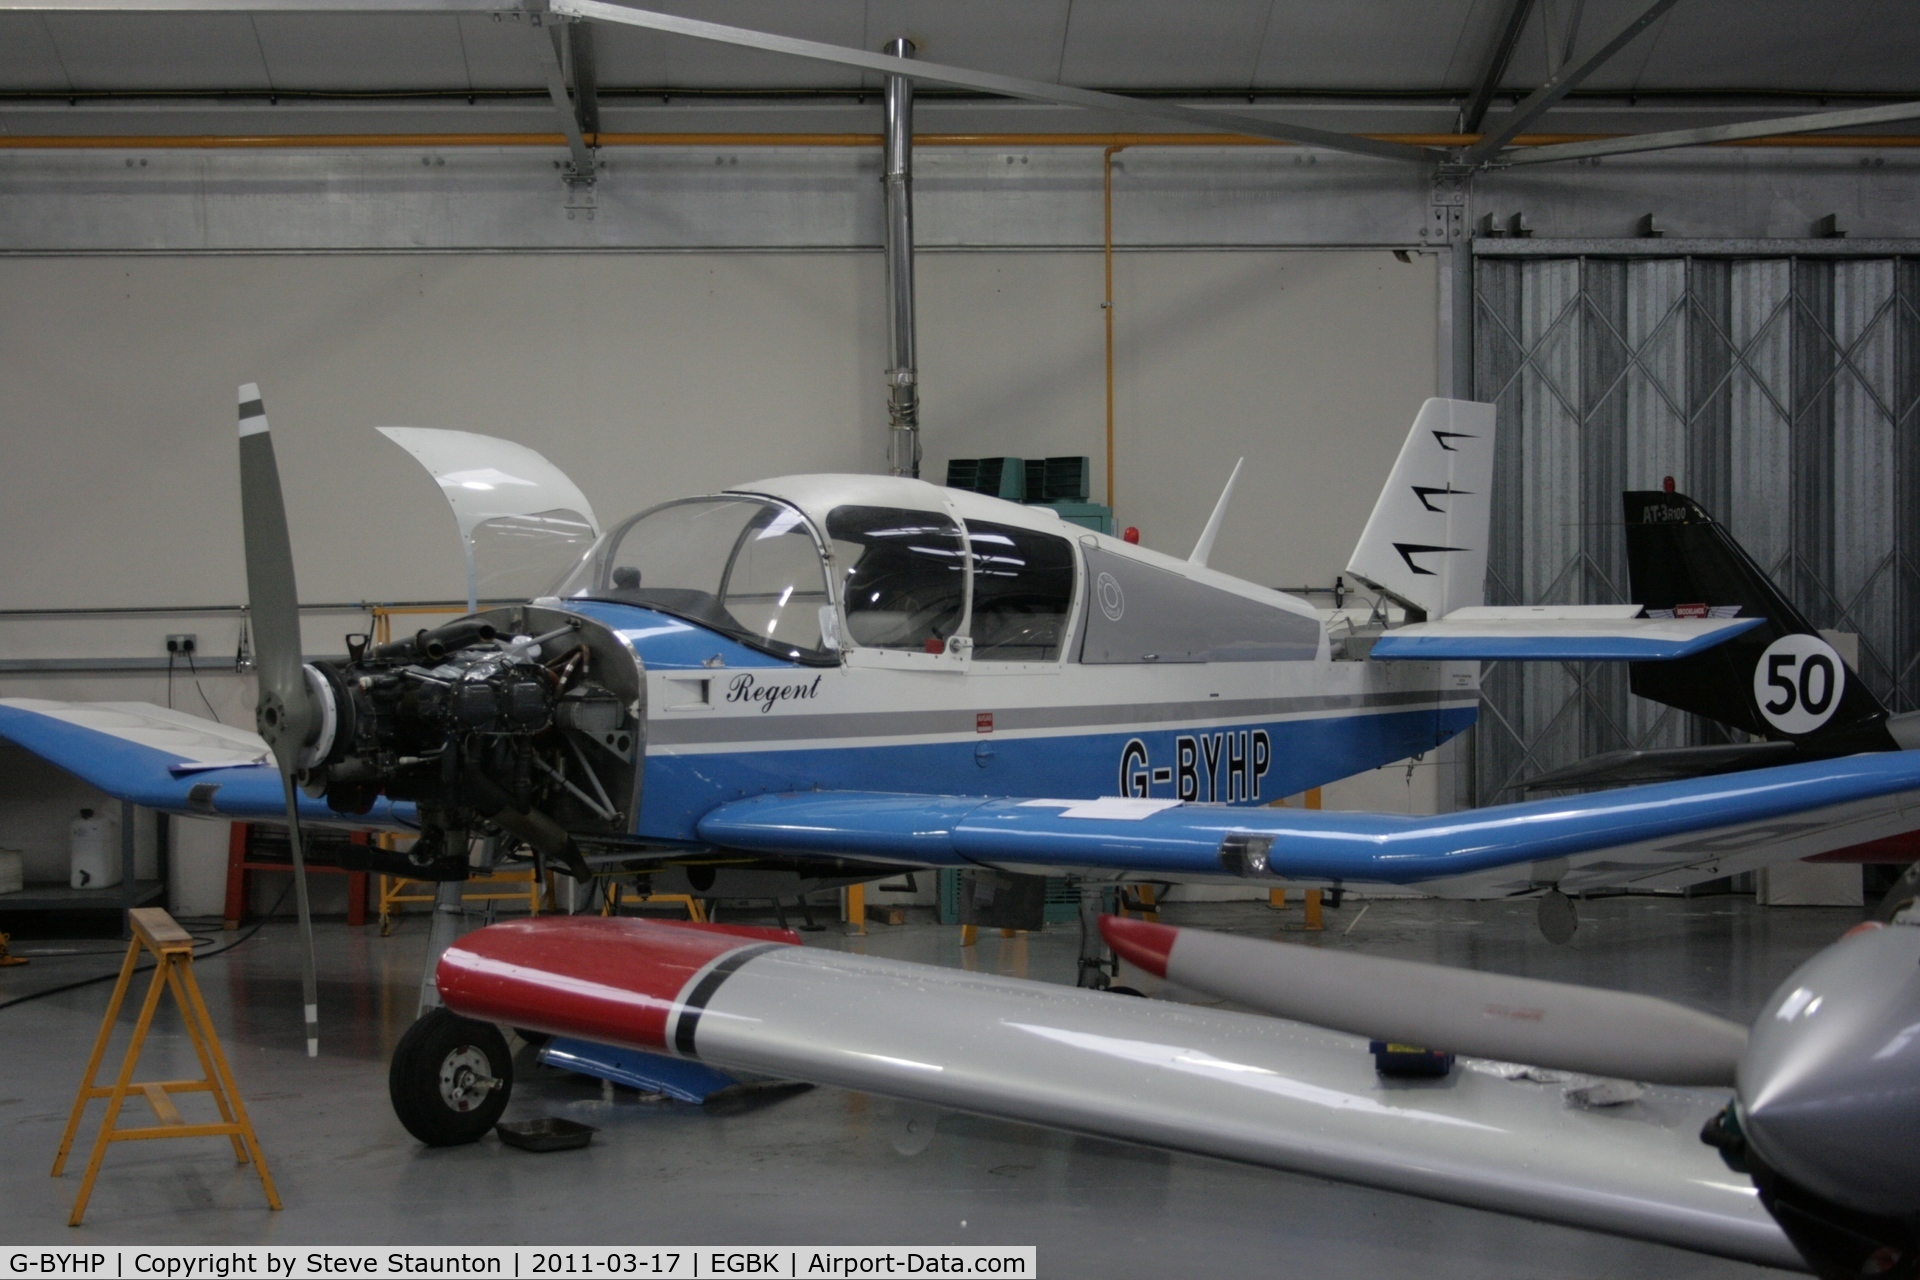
1830	1085
270	717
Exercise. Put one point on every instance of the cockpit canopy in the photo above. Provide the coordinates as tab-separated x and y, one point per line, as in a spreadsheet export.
751	568
745	567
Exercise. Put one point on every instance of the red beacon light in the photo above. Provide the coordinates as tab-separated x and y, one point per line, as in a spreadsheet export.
1667	484
1131	535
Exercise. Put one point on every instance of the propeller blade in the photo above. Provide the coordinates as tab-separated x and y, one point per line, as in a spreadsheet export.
1485	1015
285	712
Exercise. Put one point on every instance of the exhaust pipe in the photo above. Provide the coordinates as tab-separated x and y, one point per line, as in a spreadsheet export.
903	379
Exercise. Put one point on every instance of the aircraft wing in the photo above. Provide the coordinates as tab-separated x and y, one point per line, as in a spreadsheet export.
1557	633
171	761
1663	835
1233	1085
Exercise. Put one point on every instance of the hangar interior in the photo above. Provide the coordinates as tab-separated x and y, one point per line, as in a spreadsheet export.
661	262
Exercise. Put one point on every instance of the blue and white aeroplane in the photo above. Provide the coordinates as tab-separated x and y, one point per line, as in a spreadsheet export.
825	679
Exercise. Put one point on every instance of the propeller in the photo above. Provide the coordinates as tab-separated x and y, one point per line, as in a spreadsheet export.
1485	1015
288	713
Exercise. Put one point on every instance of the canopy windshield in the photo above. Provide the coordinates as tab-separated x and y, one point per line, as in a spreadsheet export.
745	567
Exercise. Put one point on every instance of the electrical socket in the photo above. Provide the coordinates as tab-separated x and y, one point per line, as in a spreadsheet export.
182	643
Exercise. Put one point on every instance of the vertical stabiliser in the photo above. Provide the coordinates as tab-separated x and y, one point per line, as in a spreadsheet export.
1779	680
1426	542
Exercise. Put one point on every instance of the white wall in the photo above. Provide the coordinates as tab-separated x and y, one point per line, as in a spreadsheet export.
1312	365
645	377
650	376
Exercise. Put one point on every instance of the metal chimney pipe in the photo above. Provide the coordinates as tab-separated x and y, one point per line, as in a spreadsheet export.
903	379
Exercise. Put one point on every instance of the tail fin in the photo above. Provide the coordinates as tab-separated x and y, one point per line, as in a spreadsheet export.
1426	542
1779	680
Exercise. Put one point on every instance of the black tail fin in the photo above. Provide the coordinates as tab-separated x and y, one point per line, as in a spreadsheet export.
1779	680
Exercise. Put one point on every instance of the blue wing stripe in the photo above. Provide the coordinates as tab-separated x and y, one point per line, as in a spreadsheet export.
132	771
1308	844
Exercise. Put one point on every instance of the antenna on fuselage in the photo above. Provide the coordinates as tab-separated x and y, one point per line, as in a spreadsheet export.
1204	548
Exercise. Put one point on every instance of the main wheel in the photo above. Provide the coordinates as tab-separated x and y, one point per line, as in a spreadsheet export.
450	1078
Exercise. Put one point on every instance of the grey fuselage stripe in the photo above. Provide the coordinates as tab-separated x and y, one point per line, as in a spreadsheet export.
696	1001
671	729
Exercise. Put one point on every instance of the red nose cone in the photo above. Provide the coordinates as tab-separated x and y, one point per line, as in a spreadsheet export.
1143	945
1131	535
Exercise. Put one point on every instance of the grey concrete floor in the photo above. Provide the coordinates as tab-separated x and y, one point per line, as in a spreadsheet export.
821	1166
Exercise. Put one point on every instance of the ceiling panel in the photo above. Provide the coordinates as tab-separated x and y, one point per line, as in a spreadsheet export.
1316	44
1835	46
1743	44
28	59
500	54
159	50
1599	19
1008	37
626	57
634	57
1473	40
1149	44
362	51
1883	53
1780	44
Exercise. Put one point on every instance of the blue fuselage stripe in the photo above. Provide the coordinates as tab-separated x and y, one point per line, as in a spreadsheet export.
1239	764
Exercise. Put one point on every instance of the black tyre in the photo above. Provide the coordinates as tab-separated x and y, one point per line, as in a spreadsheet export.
450	1079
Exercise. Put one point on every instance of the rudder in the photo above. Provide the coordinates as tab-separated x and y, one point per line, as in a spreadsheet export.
1779	680
1426	542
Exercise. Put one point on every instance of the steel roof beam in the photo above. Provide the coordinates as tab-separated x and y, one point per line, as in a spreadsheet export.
1496	66
984	81
1707	135
265	6
546	43
1563	82
581	77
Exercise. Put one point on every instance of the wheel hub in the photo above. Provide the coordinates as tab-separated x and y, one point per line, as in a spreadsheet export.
464	1079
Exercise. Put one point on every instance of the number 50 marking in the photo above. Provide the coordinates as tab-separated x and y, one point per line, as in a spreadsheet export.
1798	682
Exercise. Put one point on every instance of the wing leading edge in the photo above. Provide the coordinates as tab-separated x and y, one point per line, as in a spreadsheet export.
1671	832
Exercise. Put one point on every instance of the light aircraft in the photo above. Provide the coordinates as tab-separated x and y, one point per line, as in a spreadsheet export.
1818	1153
817	680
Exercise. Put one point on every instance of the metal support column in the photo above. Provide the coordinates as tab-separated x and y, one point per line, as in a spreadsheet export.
903	379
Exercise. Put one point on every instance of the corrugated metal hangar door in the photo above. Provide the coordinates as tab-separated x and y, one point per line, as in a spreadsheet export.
1783	393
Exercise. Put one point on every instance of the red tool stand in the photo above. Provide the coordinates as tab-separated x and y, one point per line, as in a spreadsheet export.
239	865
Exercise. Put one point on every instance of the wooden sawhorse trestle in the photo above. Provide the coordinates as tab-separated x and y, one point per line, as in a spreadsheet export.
172	949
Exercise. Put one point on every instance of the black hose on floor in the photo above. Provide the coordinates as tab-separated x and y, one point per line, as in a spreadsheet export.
143	968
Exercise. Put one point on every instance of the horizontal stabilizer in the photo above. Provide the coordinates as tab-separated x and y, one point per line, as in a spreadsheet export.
171	761
1557	633
1662	764
1485	1015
